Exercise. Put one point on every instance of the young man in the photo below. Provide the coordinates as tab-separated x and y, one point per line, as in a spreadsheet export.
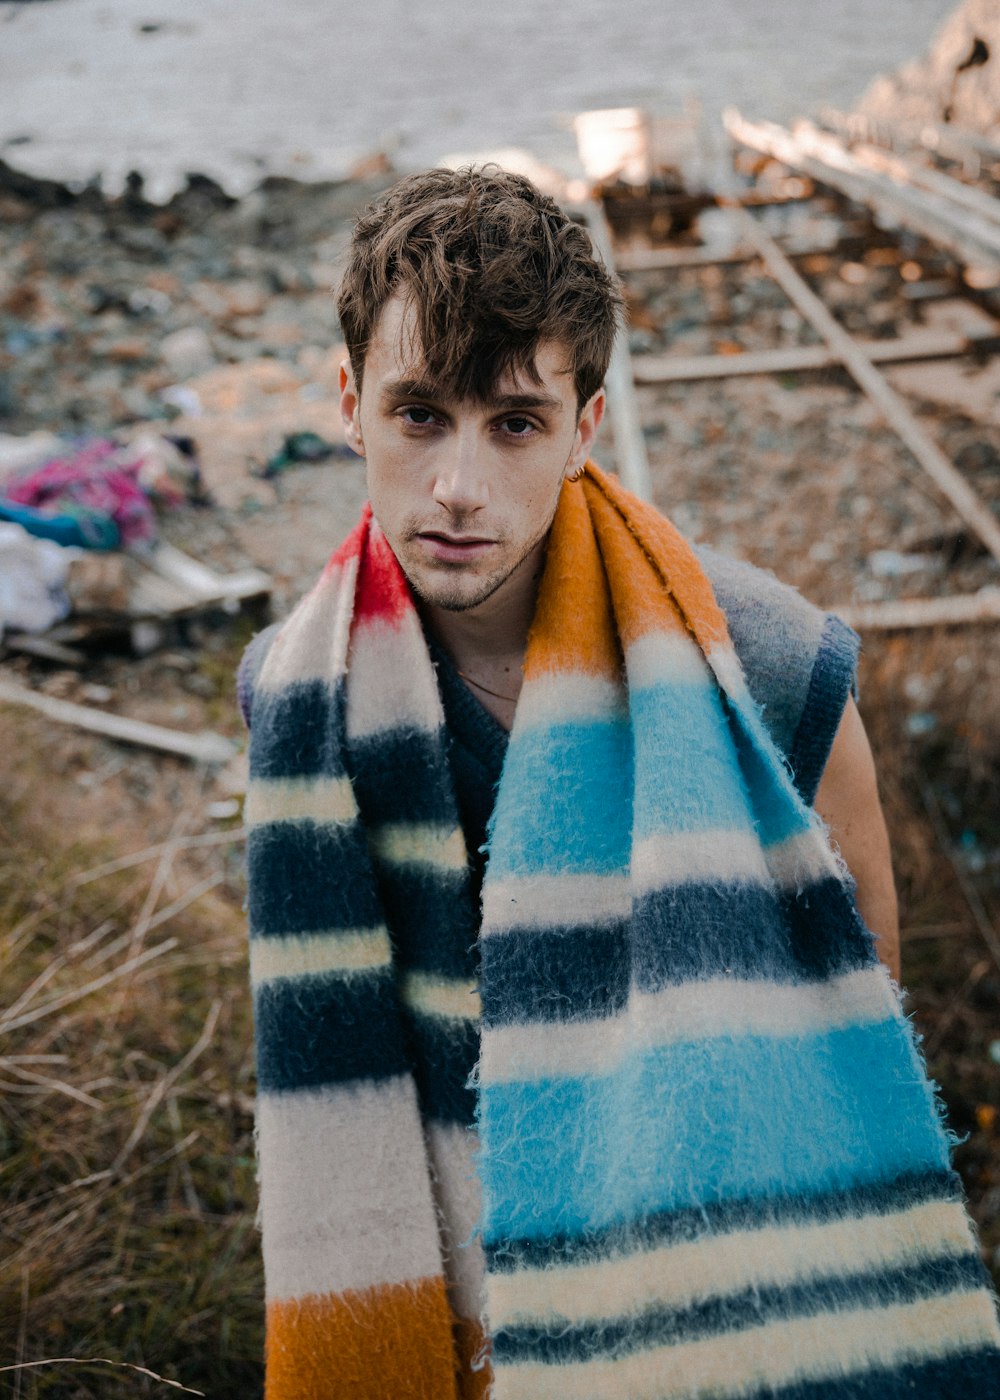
578	1071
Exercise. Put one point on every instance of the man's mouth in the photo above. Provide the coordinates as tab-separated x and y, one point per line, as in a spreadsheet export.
454	549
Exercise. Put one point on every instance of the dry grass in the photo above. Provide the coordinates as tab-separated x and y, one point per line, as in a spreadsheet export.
126	1156
939	793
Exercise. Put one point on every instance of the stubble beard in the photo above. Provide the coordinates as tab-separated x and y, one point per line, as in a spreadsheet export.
432	584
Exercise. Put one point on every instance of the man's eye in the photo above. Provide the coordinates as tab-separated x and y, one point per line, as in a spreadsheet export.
518	427
417	415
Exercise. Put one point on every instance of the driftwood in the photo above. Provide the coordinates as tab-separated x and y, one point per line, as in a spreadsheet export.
667	259
969	237
957	142
170	582
973	510
138	594
203	582
793	359
630	445
43	647
923	612
903	168
950	142
201	748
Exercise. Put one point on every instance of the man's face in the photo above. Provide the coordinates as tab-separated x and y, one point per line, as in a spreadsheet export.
465	492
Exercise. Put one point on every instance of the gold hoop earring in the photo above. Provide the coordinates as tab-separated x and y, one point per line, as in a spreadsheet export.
575	476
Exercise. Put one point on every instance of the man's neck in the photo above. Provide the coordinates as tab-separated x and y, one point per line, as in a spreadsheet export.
487	643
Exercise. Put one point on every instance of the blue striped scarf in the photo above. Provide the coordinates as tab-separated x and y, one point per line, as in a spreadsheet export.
710	1160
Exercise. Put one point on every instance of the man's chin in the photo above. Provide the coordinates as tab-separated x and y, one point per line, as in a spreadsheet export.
455	599
457	593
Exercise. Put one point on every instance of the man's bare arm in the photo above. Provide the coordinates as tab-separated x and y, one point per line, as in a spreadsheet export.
848	802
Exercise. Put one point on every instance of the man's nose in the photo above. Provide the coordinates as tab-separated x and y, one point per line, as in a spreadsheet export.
461	483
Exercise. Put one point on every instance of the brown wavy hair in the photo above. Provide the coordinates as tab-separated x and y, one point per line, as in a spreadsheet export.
492	267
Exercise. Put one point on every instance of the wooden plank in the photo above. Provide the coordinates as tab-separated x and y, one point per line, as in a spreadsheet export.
971	239
957	143
151	595
971	140
974	236
205	584
666	259
794	359
168	583
903	169
970	506
687	369
630	445
669	259
965	609
960	140
201	748
28	644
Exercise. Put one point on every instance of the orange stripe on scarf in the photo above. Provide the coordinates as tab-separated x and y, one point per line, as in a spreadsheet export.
581	636
393	1340
653	547
591	559
470	1340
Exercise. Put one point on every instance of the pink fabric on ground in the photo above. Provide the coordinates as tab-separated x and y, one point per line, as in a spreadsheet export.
93	476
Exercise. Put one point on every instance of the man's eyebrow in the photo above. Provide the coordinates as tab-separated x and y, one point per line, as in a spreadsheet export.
399	389
510	402
413	389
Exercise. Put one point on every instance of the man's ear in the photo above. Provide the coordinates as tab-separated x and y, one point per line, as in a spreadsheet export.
586	431
350	408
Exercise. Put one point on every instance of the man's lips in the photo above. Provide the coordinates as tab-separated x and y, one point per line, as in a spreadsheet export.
454	549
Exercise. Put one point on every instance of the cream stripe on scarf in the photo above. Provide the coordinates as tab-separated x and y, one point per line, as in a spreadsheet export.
416	843
683	1275
449	998
694	1011
677	858
539	901
452	1149
659	654
571	696
308	648
829	1347
327	1231
327	801
313	954
381	653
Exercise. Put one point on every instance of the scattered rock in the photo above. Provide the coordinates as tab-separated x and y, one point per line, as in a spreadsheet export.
187	352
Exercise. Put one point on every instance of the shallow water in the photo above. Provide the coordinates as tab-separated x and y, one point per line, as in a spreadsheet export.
236	87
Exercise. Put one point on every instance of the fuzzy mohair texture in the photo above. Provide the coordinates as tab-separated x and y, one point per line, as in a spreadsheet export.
706	1159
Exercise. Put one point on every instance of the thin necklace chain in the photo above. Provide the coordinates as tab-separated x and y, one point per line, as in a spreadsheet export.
511	699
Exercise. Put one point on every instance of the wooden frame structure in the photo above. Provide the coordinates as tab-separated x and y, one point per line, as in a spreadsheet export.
980	220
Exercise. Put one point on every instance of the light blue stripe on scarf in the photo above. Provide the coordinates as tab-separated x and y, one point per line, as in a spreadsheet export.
741	1140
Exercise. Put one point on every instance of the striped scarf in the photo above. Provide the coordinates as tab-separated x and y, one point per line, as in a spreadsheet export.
710	1161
